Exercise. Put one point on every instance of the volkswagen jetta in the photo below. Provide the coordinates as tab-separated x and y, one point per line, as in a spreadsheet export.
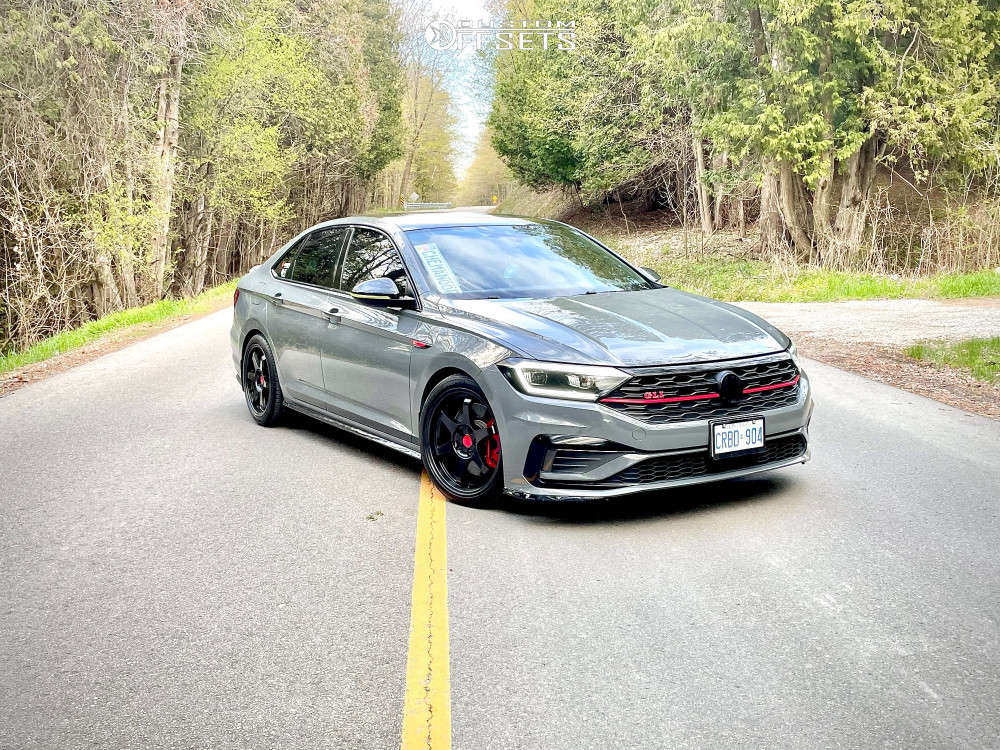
515	355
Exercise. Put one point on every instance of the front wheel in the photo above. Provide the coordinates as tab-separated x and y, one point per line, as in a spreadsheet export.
260	382
460	442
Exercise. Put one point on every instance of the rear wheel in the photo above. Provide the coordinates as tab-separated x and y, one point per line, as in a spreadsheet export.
460	442
260	382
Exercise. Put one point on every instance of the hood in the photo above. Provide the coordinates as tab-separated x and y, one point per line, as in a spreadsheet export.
649	327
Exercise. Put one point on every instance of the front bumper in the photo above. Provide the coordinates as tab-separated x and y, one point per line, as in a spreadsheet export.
640	456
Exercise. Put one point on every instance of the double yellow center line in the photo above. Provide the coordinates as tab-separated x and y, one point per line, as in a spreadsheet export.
427	705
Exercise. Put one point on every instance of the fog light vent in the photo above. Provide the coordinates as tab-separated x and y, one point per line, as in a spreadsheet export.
577	440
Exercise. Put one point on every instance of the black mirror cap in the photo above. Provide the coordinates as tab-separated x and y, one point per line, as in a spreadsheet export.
650	274
381	292
382	289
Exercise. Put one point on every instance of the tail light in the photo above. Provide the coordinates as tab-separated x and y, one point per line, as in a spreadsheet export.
236	296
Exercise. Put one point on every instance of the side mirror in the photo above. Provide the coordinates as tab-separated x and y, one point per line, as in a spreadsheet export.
649	273
382	291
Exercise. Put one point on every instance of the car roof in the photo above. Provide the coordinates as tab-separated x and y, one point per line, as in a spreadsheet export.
427	219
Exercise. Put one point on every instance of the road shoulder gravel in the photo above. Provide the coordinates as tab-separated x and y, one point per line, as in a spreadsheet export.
867	337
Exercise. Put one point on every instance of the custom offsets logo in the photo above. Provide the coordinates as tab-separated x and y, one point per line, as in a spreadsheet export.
505	35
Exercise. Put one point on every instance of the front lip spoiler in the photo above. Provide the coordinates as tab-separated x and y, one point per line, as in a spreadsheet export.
625	459
585	494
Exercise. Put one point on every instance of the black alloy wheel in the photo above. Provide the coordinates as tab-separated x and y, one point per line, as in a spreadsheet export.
460	442
260	382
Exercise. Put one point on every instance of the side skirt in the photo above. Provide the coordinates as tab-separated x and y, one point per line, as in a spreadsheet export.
354	428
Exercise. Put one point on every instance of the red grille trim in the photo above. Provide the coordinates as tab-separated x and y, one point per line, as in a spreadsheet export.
698	397
670	400
760	388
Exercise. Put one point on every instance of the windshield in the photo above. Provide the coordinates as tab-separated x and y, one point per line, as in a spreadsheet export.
528	260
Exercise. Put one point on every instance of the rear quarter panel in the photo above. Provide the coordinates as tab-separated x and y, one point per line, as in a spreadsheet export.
249	314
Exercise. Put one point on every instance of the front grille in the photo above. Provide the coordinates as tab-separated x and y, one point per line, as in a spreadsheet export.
674	382
688	465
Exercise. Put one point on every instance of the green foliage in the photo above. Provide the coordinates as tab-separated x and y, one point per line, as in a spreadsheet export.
288	112
762	281
383	74
806	87
487	180
627	125
534	106
118	225
913	75
980	357
270	92
94	330
432	171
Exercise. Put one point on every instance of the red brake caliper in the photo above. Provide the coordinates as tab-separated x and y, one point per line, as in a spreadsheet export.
492	456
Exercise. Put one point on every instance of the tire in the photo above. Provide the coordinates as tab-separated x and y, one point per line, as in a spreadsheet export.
261	388
460	442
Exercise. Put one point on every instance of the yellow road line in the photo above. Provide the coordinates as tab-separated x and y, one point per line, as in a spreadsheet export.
427	706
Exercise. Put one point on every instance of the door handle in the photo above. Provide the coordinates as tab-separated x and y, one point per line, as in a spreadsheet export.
277	299
333	314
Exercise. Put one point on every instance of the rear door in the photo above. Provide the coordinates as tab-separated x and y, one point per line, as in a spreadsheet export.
298	312
366	357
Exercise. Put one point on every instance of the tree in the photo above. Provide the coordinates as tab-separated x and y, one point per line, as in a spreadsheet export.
425	99
149	149
532	117
487	177
822	92
171	25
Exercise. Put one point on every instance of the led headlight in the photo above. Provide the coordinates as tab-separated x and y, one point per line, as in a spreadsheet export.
793	352
553	380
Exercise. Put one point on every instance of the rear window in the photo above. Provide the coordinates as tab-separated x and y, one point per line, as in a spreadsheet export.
283	266
316	261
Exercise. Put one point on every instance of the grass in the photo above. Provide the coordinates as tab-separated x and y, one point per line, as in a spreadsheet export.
732	279
980	357
720	268
118	321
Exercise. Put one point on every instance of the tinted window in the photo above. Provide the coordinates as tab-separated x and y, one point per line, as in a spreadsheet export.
316	261
531	260
283	268
371	254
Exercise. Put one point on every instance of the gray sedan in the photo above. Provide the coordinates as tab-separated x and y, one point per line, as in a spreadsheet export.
515	355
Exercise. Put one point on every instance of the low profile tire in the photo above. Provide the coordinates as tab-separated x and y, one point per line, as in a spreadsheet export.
260	383
460	443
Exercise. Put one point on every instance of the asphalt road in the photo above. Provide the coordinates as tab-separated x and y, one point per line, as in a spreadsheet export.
172	575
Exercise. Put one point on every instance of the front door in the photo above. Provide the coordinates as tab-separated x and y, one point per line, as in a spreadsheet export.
366	353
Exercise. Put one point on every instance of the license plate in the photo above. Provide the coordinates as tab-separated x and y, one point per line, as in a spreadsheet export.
737	437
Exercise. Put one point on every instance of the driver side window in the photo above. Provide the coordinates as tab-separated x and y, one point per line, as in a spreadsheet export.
370	255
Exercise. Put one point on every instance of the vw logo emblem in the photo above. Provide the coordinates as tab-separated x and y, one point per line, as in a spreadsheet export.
729	384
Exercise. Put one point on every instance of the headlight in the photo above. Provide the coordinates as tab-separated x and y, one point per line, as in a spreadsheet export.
793	352
553	380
